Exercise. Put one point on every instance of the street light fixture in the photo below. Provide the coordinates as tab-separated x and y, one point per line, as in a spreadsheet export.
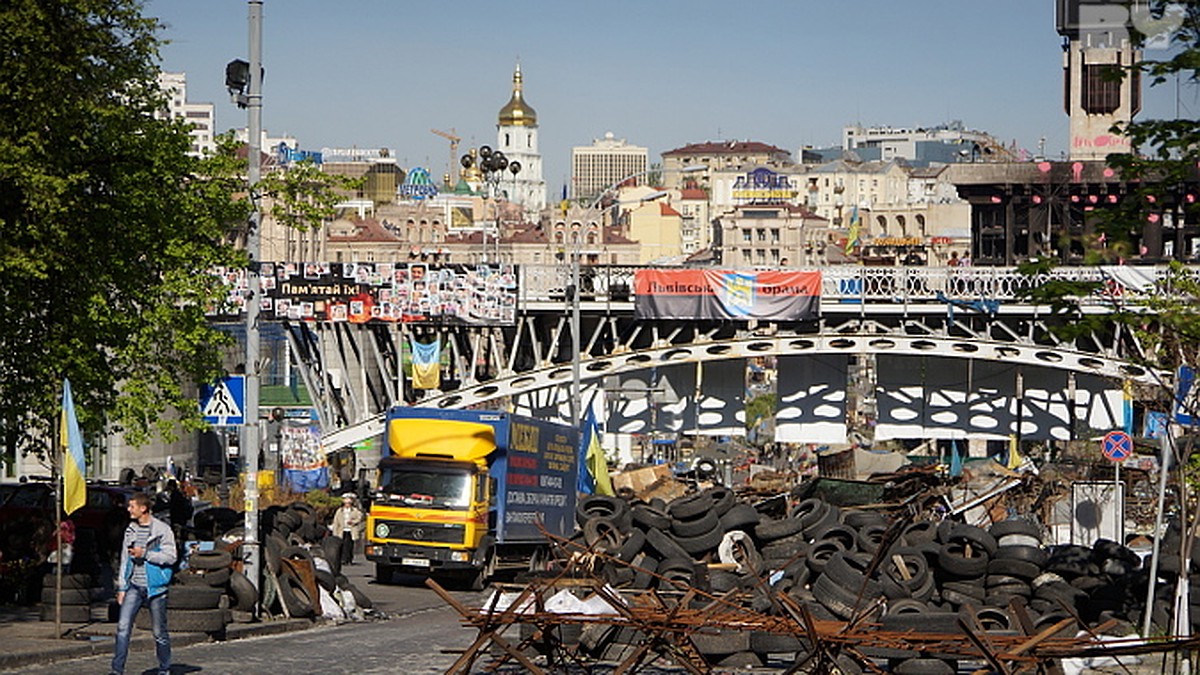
574	297
492	165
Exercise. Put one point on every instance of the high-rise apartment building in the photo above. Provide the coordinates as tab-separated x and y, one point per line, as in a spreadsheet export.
201	116
607	160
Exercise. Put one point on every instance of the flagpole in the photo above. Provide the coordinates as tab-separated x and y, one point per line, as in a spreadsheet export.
60	482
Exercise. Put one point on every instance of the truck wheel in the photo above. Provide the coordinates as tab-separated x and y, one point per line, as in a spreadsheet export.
383	573
480	579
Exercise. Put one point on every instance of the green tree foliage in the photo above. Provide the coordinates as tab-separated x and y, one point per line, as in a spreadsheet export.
760	407
107	226
104	220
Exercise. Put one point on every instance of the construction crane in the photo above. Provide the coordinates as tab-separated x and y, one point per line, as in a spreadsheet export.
450	136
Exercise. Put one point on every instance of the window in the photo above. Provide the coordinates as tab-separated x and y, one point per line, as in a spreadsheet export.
746	256
762	234
746	236
1101	89
774	235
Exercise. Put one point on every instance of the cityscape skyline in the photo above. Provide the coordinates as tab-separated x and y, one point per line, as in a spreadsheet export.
664	75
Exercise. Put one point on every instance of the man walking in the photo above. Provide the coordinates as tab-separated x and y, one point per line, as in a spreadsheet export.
147	558
349	523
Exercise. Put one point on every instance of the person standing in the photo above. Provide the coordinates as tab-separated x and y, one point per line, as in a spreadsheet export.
350	524
147	558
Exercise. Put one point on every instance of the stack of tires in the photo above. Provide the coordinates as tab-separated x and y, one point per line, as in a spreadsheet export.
75	599
295	534
214	569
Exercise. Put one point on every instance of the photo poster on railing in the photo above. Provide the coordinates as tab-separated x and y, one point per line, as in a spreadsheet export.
411	292
723	295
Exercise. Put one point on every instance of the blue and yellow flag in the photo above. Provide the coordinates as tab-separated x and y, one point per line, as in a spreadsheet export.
852	239
593	469
426	364
74	466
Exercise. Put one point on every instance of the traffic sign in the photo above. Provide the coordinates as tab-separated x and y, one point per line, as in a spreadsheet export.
223	403
1187	397
1117	446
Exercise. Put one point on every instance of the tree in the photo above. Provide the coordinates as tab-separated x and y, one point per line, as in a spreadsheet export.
104	220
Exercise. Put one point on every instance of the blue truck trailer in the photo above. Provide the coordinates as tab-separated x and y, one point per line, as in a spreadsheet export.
461	492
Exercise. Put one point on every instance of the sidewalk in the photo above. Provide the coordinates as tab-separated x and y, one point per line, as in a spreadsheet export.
29	641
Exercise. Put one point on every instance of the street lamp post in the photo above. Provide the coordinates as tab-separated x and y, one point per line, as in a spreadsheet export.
574	296
244	80
492	165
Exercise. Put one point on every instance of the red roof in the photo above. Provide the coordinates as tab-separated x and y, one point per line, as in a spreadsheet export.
693	194
726	148
668	210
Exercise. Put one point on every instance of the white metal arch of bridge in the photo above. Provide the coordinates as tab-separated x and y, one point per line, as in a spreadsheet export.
592	368
352	371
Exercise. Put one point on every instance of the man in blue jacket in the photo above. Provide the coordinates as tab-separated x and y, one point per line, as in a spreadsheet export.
147	558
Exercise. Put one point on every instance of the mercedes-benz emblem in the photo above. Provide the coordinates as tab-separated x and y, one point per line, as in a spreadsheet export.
418	533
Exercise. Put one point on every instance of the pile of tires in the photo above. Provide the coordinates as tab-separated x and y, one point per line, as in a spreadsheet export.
75	598
296	535
922	577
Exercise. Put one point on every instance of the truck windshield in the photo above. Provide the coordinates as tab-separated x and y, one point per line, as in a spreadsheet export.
429	489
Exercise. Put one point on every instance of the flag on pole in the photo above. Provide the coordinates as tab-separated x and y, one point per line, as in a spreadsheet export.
855	226
593	465
74	466
426	364
1014	457
956	460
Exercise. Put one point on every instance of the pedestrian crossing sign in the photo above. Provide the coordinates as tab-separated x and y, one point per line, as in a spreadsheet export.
1187	397
223	403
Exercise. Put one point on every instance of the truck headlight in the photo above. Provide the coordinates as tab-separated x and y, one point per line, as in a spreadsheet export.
382	530
460	556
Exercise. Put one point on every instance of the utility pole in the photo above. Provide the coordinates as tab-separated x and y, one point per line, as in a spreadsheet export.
251	440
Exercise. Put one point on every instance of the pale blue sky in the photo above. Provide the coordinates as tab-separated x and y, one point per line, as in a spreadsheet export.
660	74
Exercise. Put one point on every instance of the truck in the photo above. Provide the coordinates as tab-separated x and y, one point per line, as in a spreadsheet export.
461	493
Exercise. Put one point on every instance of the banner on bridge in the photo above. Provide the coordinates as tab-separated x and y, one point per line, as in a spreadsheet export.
727	295
361	292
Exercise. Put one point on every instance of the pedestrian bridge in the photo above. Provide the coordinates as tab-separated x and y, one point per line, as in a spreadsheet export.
961	316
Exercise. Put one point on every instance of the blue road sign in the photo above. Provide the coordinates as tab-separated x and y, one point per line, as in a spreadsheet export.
1187	397
1117	446
223	403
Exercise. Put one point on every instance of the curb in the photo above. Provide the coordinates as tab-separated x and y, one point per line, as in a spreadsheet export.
97	644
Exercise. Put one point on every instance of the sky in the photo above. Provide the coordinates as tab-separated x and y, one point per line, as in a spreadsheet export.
660	74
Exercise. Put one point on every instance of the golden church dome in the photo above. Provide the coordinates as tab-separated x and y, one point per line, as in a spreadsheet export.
517	113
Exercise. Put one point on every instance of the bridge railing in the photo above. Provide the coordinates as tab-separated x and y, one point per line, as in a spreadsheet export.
853	283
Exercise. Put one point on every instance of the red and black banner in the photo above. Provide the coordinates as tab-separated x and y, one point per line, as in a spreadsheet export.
726	295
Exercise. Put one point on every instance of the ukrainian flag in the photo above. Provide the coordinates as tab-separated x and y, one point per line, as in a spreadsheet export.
74	466
593	470
426	364
852	239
